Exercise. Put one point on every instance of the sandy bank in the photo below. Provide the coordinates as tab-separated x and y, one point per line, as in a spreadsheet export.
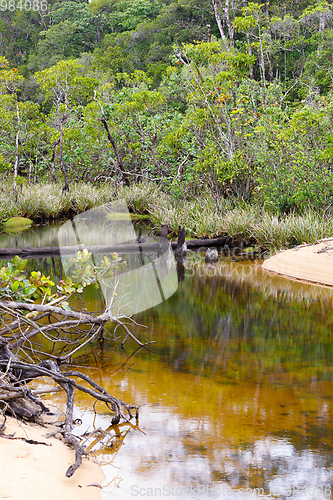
37	471
313	263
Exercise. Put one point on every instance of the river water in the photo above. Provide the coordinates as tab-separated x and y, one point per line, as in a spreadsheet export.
236	390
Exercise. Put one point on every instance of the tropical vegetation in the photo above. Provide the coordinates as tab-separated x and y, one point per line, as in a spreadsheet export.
227	104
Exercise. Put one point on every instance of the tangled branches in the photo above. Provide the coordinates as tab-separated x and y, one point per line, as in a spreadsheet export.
26	328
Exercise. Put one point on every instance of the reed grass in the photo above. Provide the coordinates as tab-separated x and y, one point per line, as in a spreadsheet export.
202	218
145	198
47	201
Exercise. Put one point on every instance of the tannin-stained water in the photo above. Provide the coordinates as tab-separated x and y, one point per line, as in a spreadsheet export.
236	391
236	388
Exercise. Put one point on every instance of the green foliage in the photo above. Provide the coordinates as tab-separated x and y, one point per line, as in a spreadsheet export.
293	171
84	271
66	82
247	117
130	13
15	285
4	165
10	79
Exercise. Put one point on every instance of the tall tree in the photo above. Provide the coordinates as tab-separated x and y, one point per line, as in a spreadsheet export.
66	86
10	81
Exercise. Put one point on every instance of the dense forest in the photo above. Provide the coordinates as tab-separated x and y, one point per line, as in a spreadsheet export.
212	115
226	96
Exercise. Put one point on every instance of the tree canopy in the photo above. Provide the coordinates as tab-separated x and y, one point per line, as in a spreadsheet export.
230	94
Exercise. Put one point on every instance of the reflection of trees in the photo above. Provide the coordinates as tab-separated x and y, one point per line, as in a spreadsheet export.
220	323
237	435
189	447
254	344
252	348
35	237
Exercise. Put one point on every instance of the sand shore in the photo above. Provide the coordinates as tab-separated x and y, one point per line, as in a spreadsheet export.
312	263
37	471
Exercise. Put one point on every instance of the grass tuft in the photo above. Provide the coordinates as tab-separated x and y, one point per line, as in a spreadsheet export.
202	218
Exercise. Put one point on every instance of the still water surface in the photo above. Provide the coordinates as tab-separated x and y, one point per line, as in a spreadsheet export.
236	388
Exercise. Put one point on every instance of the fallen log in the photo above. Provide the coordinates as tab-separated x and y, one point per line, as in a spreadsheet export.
125	248
42	252
207	242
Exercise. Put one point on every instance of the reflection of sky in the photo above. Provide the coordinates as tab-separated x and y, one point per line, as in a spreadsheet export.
169	455
177	454
263	410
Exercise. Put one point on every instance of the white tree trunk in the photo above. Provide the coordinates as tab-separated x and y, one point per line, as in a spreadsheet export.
17	146
219	24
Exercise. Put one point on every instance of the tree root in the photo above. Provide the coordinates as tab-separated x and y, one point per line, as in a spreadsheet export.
20	372
74	329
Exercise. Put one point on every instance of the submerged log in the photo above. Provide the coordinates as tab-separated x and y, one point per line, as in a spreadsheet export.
181	247
42	252
164	230
124	248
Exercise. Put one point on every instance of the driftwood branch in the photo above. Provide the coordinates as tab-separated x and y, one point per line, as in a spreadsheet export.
20	334
9	393
22	372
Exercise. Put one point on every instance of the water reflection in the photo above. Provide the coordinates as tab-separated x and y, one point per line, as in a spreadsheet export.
237	391
36	236
222	437
137	279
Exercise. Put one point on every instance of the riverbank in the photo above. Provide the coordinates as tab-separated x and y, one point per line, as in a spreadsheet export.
202	217
33	466
311	263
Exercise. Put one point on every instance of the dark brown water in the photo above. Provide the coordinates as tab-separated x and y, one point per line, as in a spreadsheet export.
237	391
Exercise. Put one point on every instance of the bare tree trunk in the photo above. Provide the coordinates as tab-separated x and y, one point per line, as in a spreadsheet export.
120	165
54	145
17	144
262	66
322	25
219	24
61	161
231	30
248	39
270	69
285	65
115	149
30	171
250	54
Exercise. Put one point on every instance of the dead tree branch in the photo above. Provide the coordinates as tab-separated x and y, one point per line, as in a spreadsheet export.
25	323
